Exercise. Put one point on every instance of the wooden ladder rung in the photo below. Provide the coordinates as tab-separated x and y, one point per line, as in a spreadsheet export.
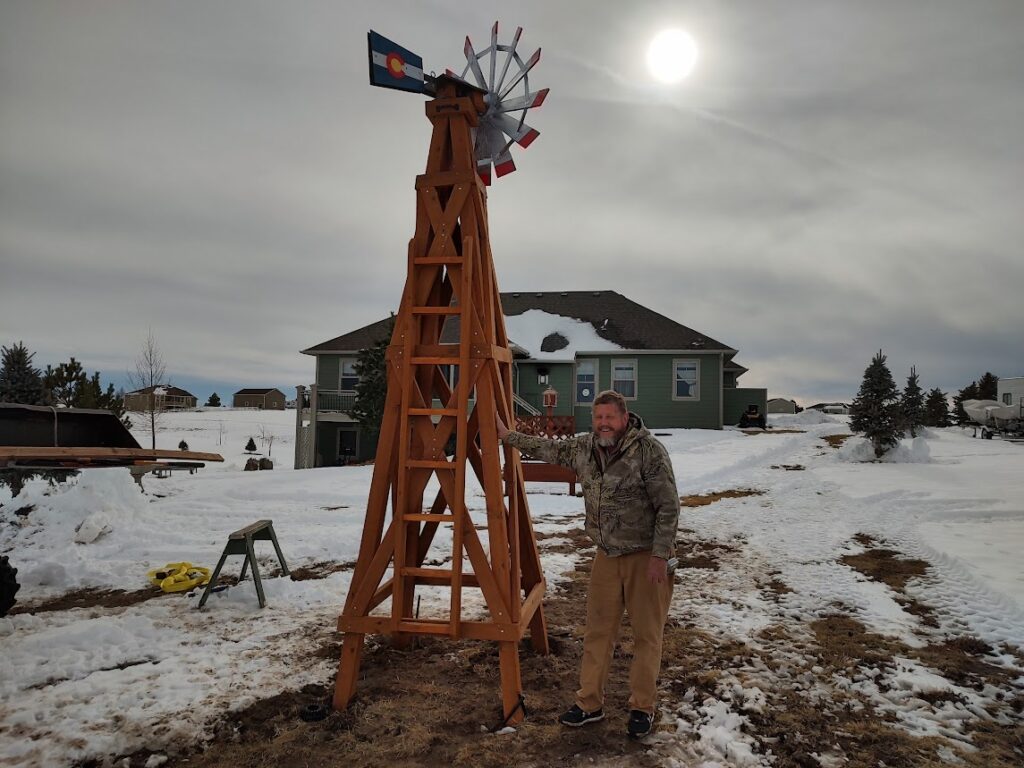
435	361
426	464
433	411
429	573
438	260
436	310
427	517
426	626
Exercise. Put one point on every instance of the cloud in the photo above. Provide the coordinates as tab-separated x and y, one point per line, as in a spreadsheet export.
835	178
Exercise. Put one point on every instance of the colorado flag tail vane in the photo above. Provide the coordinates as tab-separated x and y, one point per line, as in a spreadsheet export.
392	66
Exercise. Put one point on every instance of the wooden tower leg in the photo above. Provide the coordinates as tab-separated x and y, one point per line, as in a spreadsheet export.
348	670
511	683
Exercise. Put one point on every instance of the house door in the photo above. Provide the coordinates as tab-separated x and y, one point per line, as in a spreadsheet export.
348	445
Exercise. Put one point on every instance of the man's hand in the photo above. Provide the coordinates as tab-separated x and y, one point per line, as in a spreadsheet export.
500	426
657	570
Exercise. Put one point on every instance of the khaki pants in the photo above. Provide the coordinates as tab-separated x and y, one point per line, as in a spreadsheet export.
618	583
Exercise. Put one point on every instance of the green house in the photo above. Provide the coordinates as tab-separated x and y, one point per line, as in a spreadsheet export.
577	342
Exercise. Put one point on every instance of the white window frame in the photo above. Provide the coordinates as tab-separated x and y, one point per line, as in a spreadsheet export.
632	362
675	366
576	381
1007	398
341	374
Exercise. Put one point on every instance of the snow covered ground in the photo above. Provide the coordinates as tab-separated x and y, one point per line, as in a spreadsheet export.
97	682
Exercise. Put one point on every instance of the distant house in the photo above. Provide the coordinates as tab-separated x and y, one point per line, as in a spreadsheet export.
265	399
579	343
834	408
161	398
781	405
1011	391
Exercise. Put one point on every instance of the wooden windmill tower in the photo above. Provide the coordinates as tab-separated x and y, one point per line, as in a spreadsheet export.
450	279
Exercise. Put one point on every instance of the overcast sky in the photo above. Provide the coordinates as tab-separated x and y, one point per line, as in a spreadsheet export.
834	178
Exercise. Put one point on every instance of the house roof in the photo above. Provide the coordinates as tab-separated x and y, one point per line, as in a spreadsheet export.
615	321
266	391
166	389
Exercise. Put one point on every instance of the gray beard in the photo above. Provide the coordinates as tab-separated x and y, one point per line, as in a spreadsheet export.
607	442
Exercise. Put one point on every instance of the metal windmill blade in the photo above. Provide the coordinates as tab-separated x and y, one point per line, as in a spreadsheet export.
508	99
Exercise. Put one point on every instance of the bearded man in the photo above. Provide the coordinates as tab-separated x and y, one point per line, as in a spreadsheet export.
632	511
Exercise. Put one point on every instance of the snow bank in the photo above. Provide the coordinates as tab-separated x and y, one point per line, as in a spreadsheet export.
804	419
913	451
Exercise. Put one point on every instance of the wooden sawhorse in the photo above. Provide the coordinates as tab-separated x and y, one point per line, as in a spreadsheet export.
240	543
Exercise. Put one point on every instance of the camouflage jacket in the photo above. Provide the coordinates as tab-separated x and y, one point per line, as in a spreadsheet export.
631	498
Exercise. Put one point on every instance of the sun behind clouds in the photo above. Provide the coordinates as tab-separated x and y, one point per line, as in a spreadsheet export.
672	55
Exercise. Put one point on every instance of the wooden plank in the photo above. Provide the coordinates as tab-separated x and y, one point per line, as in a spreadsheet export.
429	464
472	630
445	179
45	453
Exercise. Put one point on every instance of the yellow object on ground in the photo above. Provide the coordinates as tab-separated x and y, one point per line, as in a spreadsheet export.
179	577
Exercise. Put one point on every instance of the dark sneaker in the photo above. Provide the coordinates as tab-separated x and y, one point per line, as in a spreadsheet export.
576	717
640	724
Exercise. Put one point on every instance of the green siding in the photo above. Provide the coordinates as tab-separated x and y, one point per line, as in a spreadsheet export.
328	369
655	380
559	376
737	400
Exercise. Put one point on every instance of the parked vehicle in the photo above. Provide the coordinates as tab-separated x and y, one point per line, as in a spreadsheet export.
996	419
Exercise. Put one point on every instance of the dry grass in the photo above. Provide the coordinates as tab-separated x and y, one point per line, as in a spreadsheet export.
95	598
883	565
836	440
319	570
702	500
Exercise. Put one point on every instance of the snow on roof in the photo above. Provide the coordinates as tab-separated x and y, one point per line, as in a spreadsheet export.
534	325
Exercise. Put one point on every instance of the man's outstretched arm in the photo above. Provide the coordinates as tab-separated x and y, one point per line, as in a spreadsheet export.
561	452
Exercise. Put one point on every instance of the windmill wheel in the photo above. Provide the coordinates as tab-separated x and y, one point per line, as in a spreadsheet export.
499	70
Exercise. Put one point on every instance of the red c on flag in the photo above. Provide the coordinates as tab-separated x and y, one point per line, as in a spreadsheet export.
395	65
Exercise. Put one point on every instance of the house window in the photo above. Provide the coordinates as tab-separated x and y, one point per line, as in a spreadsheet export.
349	377
1007	398
685	380
586	381
624	378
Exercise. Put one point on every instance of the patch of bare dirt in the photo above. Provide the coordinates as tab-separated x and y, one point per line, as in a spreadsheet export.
425	707
885	566
320	570
701	554
836	440
94	598
702	500
789	467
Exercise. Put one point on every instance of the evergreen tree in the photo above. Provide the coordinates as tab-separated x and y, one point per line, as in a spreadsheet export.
372	389
875	410
250	447
20	381
936	409
912	404
970	392
988	387
68	385
213	401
